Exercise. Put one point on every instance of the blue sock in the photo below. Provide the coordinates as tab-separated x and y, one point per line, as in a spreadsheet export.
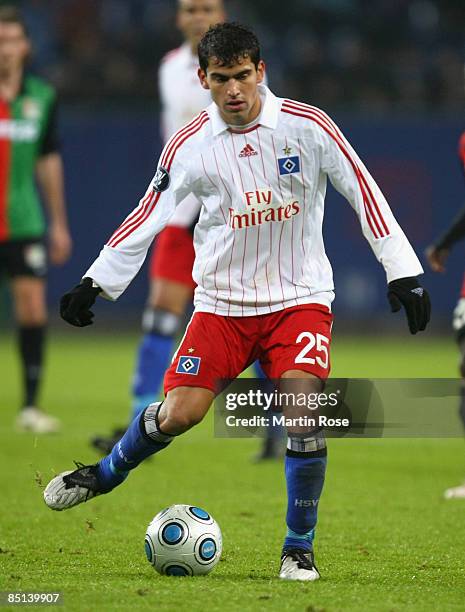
142	439
152	361
305	476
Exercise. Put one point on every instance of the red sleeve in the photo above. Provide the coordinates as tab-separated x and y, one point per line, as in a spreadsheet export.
461	151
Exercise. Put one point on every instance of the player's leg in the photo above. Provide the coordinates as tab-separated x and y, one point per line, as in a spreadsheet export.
150	432
27	270
305	468
298	355
459	328
153	430
190	386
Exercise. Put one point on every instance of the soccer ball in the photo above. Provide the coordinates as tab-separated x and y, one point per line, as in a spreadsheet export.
183	540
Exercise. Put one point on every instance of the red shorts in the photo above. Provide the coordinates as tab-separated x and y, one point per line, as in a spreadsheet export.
215	348
173	257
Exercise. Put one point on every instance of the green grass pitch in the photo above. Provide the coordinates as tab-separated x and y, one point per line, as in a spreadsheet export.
386	540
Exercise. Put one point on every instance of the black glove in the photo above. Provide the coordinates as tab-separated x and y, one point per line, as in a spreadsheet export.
408	292
75	305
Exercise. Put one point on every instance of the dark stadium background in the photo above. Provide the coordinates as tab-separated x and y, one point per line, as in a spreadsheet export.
389	71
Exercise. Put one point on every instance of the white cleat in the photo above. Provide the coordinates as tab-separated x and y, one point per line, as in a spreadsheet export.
36	421
298	564
455	492
71	488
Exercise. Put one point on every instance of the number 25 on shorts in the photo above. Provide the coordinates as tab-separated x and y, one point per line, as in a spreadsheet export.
320	343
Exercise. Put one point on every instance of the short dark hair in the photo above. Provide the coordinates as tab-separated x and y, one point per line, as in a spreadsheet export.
11	14
228	42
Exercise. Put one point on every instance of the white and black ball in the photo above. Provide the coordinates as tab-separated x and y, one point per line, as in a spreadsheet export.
183	540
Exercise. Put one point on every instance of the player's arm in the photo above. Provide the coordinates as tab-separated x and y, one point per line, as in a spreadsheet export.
386	238
50	176
124	253
438	252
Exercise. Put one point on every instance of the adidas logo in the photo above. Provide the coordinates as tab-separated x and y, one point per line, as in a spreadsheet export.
418	291
248	151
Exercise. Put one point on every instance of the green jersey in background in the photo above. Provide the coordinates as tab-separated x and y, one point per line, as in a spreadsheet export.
27	131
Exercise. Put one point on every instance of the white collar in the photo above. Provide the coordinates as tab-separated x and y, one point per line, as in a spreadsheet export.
268	116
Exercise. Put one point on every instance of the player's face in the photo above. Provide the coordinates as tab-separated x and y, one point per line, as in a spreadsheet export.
14	47
196	16
234	89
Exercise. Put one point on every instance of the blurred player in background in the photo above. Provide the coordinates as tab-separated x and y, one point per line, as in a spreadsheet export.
28	149
260	165
170	267
170	270
437	255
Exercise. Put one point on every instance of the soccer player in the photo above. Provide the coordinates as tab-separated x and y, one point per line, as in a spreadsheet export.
28	149
259	164
170	270
437	255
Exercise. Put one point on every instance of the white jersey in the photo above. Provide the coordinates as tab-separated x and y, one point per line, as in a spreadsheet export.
182	98
258	243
